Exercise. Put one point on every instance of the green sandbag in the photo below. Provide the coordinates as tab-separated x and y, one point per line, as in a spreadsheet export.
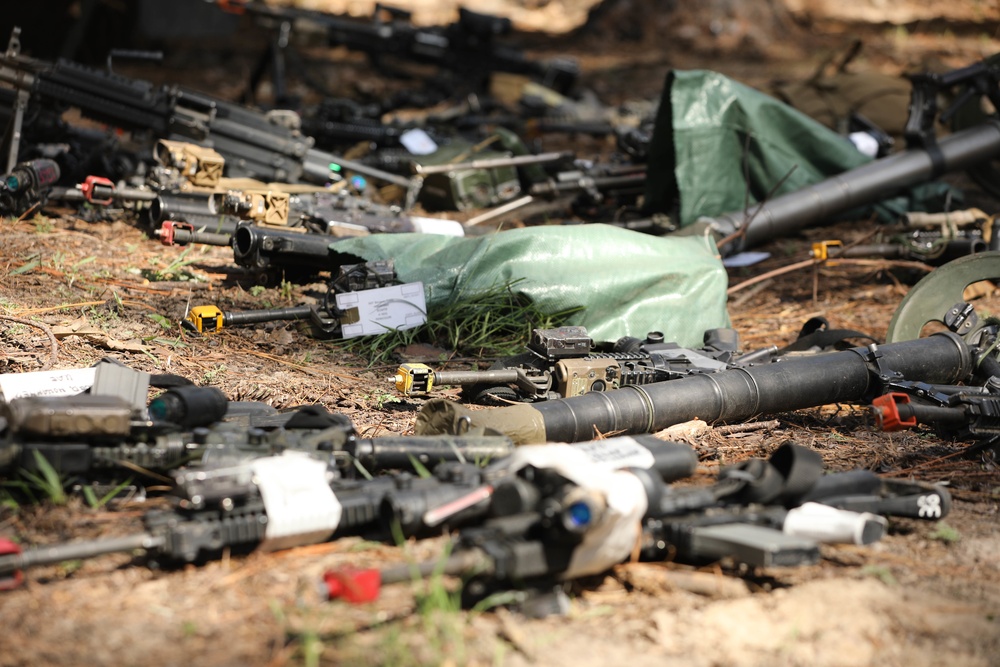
628	283
715	139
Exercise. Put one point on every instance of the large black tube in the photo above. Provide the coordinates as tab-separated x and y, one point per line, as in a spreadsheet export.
192	208
866	184
259	248
733	395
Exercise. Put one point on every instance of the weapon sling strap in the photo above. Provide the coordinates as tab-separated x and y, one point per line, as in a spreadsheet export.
317	417
790	472
816	333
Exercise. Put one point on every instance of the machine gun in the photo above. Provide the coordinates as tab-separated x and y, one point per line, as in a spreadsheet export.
468	48
563	362
254	144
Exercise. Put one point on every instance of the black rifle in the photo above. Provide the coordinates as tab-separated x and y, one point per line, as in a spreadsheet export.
325	319
752	515
231	506
464	493
563	362
955	413
254	144
467	47
93	436
594	191
931	238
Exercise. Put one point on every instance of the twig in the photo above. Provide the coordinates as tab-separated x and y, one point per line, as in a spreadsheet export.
738	303
54	355
84	304
879	263
740	233
727	429
770	274
303	367
30	210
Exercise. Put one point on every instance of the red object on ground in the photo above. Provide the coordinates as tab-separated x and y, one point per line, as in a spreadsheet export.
353	585
16	578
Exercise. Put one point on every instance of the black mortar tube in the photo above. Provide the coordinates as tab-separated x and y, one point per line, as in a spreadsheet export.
867	184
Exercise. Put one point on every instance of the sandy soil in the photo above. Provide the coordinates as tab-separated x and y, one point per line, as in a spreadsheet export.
926	595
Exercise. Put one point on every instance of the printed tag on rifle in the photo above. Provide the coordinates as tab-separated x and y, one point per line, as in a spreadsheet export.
47	383
618	453
300	505
418	142
375	311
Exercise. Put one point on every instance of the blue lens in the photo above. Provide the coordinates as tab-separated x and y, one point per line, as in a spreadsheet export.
579	515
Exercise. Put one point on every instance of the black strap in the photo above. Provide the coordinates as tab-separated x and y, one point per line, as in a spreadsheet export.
157	380
317	417
816	332
791	471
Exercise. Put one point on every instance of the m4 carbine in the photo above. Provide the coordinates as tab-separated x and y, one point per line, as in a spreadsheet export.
563	362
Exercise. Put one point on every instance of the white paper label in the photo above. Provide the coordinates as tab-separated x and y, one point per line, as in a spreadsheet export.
396	307
300	505
418	142
47	383
617	453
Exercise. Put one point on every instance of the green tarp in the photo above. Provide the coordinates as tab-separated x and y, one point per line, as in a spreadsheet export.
719	145
628	283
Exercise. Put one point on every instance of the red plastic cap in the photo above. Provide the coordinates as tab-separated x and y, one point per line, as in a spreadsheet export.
14	579
352	585
91	182
168	228
887	412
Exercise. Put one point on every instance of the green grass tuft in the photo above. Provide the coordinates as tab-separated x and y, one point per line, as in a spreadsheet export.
491	323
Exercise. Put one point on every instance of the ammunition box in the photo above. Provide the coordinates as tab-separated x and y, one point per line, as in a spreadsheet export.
71	416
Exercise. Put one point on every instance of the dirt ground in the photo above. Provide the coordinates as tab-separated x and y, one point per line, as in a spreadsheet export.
925	595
